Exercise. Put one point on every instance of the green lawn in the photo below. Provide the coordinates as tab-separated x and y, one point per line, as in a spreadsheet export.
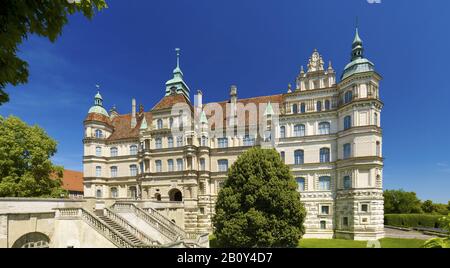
341	243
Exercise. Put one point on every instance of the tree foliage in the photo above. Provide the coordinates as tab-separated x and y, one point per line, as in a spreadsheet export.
259	205
25	165
428	206
444	223
20	18
399	201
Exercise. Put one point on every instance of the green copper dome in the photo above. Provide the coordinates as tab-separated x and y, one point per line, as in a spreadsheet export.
98	106
358	63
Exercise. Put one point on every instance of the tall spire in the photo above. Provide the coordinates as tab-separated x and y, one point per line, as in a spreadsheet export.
177	84
357	46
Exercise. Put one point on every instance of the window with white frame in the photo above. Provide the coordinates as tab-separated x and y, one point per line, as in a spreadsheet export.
170	165
325	183
133	150
323	225
204	141
223	142
158	166
98	171
223	165
98	151
113	151
299	130
249	141
133	170
170	142
325	210
324	155
301	184
114	192
114	171
324	128
158	143
282	132
180	164
347	150
98	134
299	157
202	164
347	122
347	182
159	124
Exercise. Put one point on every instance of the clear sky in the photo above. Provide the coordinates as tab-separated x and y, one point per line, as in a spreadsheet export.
258	45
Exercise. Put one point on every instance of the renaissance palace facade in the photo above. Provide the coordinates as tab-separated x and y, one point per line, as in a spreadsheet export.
175	156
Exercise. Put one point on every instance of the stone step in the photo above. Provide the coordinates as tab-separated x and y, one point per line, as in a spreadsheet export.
122	231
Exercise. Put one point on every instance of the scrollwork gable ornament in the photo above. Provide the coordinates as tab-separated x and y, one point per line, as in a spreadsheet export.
315	62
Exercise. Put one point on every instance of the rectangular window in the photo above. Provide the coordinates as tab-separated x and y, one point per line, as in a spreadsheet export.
170	142
158	166
113	172
223	142
98	151
347	182
347	150
323	225
98	171
170	165
158	143
345	221
249	141
364	208
202	164
223	165
325	210
179	141
324	183
180	164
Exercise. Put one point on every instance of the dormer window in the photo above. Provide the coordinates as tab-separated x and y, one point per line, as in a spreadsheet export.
98	134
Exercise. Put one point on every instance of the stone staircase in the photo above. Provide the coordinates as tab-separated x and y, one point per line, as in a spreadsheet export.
121	230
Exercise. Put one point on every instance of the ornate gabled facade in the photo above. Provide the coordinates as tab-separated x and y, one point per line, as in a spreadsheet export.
328	132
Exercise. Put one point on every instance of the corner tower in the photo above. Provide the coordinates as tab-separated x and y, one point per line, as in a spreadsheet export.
359	194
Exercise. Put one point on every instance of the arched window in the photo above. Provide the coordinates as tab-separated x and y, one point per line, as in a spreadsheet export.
32	240
325	183
98	193
132	192
319	106
283	156
324	128
170	142
223	165
299	130
294	108
299	157
347	183
98	133
114	192
114	172
323	225
158	143
113	151
158	165
347	150
347	122
158	197
133	150
301	184
171	122
133	170
324	155
348	96
302	108
327	105
170	165
98	151
98	171
179	164
159	124
282	132
375	119
175	195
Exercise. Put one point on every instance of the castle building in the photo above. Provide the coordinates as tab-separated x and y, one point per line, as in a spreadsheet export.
174	157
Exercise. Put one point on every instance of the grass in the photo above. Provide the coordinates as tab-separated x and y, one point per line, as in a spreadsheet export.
341	243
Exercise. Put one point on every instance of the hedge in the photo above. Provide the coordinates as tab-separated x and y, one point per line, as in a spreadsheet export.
412	220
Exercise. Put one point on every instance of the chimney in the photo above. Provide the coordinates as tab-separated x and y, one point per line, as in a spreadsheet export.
133	113
233	101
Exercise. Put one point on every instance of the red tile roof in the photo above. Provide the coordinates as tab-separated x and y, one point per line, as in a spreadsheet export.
72	180
98	117
169	101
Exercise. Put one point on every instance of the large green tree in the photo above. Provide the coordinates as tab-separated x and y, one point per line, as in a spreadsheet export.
428	206
20	18
399	201
259	205
25	165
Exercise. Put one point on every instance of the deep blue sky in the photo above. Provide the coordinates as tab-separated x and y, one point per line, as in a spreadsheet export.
259	46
